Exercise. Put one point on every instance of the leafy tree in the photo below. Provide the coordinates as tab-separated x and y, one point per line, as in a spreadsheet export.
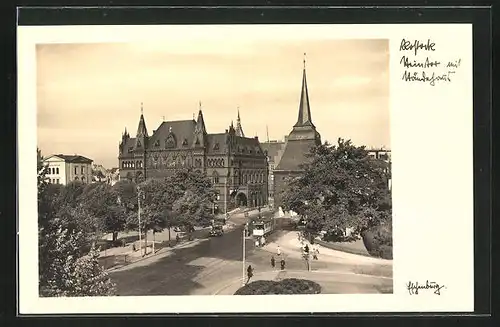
70	194
64	268
154	205
341	187
193	209
66	271
101	201
126	191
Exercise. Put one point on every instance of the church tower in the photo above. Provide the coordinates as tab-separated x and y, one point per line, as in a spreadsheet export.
301	139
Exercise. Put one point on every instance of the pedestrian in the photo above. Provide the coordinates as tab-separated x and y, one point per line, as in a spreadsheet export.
256	243
177	238
262	240
282	263
315	254
249	273
273	262
279	250
306	249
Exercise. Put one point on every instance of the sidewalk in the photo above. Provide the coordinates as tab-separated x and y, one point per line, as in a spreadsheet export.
290	245
332	282
137	260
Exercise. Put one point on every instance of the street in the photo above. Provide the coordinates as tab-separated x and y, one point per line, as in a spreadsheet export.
216	263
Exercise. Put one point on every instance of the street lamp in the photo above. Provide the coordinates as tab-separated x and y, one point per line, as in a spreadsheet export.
243	261
139	192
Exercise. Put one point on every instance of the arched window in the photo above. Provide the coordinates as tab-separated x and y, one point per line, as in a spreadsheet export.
76	178
215	177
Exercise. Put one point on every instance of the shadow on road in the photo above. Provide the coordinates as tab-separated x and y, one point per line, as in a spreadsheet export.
174	274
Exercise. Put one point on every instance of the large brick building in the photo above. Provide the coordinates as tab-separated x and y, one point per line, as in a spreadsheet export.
298	143
236	164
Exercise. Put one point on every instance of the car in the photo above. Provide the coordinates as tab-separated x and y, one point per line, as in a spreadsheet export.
216	231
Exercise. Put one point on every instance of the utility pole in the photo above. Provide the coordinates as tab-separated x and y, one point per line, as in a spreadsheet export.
225	198
139	216
243	267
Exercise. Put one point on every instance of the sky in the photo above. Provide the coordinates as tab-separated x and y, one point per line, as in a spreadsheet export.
88	93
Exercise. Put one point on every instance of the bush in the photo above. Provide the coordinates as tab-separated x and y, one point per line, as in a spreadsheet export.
286	286
378	241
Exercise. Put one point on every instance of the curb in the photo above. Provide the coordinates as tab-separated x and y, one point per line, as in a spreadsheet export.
160	251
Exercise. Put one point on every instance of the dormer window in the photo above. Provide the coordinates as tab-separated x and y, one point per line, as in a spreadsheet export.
157	143
185	142
139	144
170	142
216	146
131	149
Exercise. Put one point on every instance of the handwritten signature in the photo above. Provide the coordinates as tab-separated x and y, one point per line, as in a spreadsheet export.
413	288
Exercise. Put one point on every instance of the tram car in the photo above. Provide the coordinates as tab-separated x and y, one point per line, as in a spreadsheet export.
263	227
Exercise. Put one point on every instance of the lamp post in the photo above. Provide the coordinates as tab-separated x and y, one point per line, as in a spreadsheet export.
243	261
225	197
139	216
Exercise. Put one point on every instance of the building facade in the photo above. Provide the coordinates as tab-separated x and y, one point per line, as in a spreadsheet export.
62	169
298	143
236	164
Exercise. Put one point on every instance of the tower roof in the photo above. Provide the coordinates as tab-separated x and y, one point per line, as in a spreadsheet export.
239	129
304	117
142	131
200	122
302	137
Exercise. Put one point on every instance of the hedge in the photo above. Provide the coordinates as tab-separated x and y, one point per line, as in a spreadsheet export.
285	286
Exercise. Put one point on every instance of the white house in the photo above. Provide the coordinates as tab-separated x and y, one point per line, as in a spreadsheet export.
61	168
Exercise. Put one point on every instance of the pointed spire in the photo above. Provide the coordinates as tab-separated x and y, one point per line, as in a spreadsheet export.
239	129
267	133
304	117
142	131
200	123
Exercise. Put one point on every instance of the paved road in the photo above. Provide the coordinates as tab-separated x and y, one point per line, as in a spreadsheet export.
205	268
187	270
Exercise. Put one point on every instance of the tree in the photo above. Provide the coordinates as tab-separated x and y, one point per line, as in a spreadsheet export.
65	271
341	187
193	209
154	205
101	201
64	268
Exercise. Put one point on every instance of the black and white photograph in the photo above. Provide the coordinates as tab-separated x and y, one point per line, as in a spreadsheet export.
200	162
276	181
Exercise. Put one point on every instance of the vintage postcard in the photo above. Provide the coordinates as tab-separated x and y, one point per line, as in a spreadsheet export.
245	168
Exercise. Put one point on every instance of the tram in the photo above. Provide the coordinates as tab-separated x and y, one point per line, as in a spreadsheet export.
263	227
